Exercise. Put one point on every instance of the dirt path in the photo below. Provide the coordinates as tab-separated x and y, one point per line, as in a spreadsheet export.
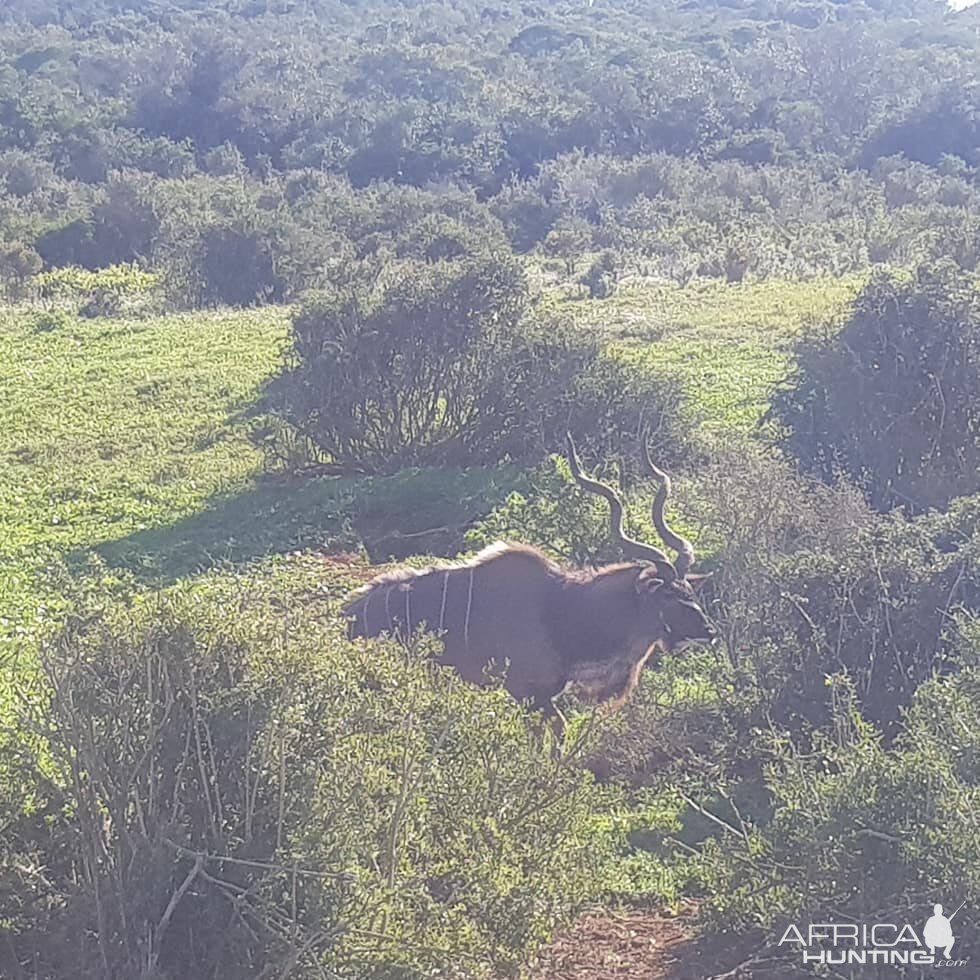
639	944
634	945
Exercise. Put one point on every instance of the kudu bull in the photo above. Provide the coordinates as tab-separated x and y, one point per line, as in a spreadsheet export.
587	632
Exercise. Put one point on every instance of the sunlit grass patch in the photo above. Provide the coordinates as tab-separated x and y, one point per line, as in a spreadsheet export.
128	436
728	343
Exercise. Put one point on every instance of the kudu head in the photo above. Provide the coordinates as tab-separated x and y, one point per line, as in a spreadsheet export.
664	599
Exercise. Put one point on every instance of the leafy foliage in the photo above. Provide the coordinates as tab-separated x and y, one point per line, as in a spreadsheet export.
686	183
888	397
102	292
446	363
692	139
18	262
304	800
850	804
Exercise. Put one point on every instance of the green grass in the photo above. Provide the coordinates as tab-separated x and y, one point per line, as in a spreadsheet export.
108	428
129	437
729	344
112	426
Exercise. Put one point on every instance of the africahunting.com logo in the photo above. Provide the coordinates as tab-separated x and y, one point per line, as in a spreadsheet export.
877	943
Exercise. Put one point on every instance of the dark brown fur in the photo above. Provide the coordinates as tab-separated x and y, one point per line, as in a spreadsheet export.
553	630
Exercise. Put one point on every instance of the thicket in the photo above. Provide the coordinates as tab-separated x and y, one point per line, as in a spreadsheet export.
859	832
889	397
449	363
209	791
718	140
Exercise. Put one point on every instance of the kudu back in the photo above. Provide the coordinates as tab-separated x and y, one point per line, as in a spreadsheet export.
549	629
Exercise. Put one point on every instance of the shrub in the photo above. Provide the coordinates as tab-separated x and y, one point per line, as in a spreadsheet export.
18	262
440	363
227	794
23	174
103	292
229	244
45	321
440	236
860	833
602	276
447	363
843	588
889	397
618	401
568	240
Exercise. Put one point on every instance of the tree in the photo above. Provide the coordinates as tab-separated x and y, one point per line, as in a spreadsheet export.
890	398
569	238
18	262
434	362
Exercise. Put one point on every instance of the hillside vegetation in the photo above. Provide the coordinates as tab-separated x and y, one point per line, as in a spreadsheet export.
294	291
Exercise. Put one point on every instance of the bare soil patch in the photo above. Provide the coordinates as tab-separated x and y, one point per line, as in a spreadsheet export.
647	944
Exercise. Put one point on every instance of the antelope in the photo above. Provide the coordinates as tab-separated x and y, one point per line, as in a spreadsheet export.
587	632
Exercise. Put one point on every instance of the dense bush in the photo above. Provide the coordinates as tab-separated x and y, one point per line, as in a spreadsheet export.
18	263
692	139
860	833
447	363
842	589
100	292
889	397
226	794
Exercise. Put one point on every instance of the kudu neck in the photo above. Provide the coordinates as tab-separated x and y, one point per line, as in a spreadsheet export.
592	617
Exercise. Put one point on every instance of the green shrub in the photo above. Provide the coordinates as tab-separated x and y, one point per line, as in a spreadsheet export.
889	398
44	321
101	292
843	588
568	240
446	364
18	263
618	401
860	832
602	276
228	793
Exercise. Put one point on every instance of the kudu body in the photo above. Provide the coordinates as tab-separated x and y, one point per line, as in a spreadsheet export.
587	632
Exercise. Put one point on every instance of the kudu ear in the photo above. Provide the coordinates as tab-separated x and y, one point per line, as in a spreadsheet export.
697	581
649	580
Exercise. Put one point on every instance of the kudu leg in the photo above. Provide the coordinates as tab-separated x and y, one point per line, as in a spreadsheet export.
548	715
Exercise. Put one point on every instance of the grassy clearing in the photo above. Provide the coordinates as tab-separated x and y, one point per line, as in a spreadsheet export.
727	342
112	426
129	436
108	428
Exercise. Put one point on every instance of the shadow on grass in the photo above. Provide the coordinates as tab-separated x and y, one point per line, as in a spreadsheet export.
413	512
